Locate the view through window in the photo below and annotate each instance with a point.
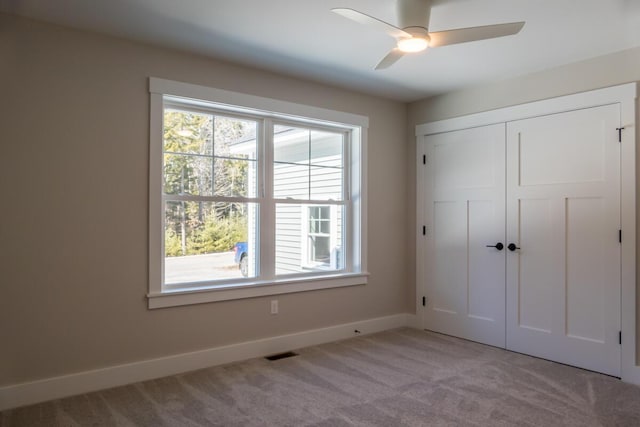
(219, 193)
(209, 179)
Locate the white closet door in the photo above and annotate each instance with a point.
(563, 212)
(465, 212)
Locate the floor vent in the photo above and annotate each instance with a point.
(281, 355)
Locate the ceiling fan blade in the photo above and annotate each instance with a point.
(390, 59)
(463, 35)
(364, 19)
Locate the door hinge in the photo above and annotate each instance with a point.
(619, 236)
(424, 301)
(620, 337)
(424, 230)
(620, 133)
(424, 159)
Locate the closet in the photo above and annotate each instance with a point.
(520, 246)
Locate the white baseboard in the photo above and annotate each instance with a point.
(17, 395)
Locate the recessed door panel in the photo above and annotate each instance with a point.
(586, 269)
(449, 220)
(463, 163)
(485, 280)
(536, 278)
(578, 151)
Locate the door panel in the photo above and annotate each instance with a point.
(484, 284)
(543, 160)
(465, 213)
(563, 211)
(538, 268)
(586, 268)
(464, 164)
(448, 220)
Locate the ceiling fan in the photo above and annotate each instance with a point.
(412, 34)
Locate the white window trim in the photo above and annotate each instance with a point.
(237, 102)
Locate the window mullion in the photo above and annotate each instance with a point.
(315, 202)
(309, 164)
(268, 206)
(213, 153)
(347, 209)
(212, 199)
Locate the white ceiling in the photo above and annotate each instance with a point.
(304, 38)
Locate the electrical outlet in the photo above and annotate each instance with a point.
(274, 306)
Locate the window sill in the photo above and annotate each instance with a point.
(171, 298)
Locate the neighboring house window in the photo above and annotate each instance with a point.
(319, 236)
(243, 197)
(322, 238)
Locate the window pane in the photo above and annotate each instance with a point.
(217, 155)
(207, 241)
(308, 238)
(235, 178)
(187, 132)
(326, 149)
(235, 138)
(290, 181)
(290, 144)
(326, 183)
(326, 165)
(319, 249)
(187, 174)
(307, 164)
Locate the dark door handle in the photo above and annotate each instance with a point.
(499, 246)
(512, 247)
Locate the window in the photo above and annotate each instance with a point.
(323, 241)
(319, 236)
(246, 201)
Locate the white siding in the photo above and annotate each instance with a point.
(288, 242)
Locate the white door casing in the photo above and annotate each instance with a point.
(563, 211)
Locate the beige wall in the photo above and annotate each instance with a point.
(610, 70)
(74, 136)
(74, 131)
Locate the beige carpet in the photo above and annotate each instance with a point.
(403, 377)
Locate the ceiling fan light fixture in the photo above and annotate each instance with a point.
(414, 36)
(412, 45)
